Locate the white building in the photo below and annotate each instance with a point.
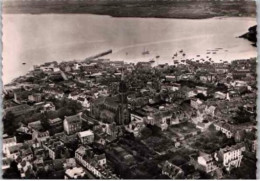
(74, 173)
(231, 156)
(86, 137)
(7, 142)
(207, 163)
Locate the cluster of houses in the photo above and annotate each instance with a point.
(198, 93)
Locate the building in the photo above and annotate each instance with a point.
(85, 156)
(37, 97)
(230, 156)
(54, 148)
(56, 125)
(74, 173)
(220, 95)
(207, 163)
(40, 136)
(19, 110)
(72, 124)
(137, 123)
(13, 151)
(7, 142)
(172, 171)
(113, 109)
(195, 103)
(225, 128)
(86, 137)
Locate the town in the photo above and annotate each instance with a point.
(104, 119)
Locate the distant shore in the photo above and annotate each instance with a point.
(179, 9)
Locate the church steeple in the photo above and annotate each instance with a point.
(124, 116)
(122, 84)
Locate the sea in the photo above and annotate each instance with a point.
(32, 39)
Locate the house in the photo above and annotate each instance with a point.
(54, 148)
(202, 90)
(13, 151)
(86, 137)
(72, 124)
(100, 138)
(220, 95)
(54, 92)
(56, 125)
(221, 68)
(36, 125)
(48, 107)
(172, 171)
(7, 142)
(195, 103)
(84, 102)
(203, 126)
(26, 154)
(74, 173)
(90, 161)
(36, 97)
(206, 162)
(70, 163)
(230, 156)
(5, 163)
(40, 136)
(225, 128)
(137, 123)
(210, 110)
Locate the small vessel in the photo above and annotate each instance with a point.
(181, 51)
(157, 56)
(198, 55)
(214, 52)
(145, 52)
(24, 63)
(208, 52)
(183, 54)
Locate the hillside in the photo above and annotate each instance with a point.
(194, 9)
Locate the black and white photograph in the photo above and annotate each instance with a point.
(129, 89)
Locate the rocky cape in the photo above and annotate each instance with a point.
(251, 35)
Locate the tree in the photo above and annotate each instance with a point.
(12, 172)
(10, 124)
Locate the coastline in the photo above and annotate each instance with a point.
(136, 8)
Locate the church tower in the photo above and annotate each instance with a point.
(124, 116)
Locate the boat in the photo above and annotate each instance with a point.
(208, 52)
(145, 52)
(24, 63)
(183, 54)
(198, 55)
(157, 56)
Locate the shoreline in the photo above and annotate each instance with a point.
(143, 17)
